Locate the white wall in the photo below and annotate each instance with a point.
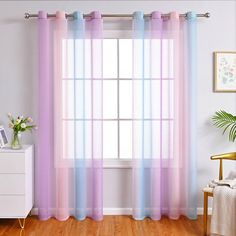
(18, 74)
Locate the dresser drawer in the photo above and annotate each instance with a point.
(12, 162)
(16, 182)
(12, 184)
(12, 207)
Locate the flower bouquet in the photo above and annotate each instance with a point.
(19, 125)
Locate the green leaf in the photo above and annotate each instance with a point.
(223, 119)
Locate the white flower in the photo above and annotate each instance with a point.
(23, 125)
(9, 115)
(11, 126)
(29, 119)
(17, 121)
(21, 117)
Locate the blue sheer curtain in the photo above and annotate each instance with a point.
(164, 111)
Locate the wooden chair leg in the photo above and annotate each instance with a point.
(205, 213)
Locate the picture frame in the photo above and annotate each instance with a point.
(3, 137)
(225, 71)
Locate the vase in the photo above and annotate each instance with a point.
(16, 140)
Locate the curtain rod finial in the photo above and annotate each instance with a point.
(207, 14)
(27, 15)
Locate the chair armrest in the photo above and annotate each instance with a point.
(225, 156)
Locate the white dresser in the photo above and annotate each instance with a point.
(16, 182)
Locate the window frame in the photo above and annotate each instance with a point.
(112, 163)
(118, 162)
(123, 163)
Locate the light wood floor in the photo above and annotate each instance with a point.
(111, 225)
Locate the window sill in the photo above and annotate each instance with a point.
(117, 164)
(127, 164)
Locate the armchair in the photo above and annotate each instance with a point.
(208, 192)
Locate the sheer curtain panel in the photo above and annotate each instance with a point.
(164, 84)
(69, 150)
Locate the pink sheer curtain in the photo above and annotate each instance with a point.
(69, 150)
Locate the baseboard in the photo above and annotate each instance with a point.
(125, 211)
(117, 211)
(128, 211)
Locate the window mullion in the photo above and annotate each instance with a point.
(118, 99)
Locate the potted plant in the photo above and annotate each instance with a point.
(19, 125)
(226, 121)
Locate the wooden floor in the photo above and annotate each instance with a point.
(111, 225)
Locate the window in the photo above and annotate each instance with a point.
(117, 95)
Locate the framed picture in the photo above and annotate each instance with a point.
(225, 71)
(3, 137)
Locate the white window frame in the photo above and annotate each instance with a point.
(121, 163)
(117, 163)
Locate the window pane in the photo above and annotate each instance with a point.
(79, 58)
(110, 140)
(126, 99)
(81, 133)
(156, 143)
(109, 99)
(80, 95)
(125, 58)
(68, 139)
(87, 58)
(167, 99)
(87, 125)
(167, 140)
(68, 58)
(156, 96)
(97, 95)
(87, 100)
(156, 58)
(125, 139)
(138, 58)
(96, 53)
(68, 99)
(146, 58)
(167, 58)
(109, 58)
(137, 88)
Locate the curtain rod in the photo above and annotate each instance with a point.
(28, 15)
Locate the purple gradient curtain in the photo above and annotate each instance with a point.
(69, 150)
(164, 84)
